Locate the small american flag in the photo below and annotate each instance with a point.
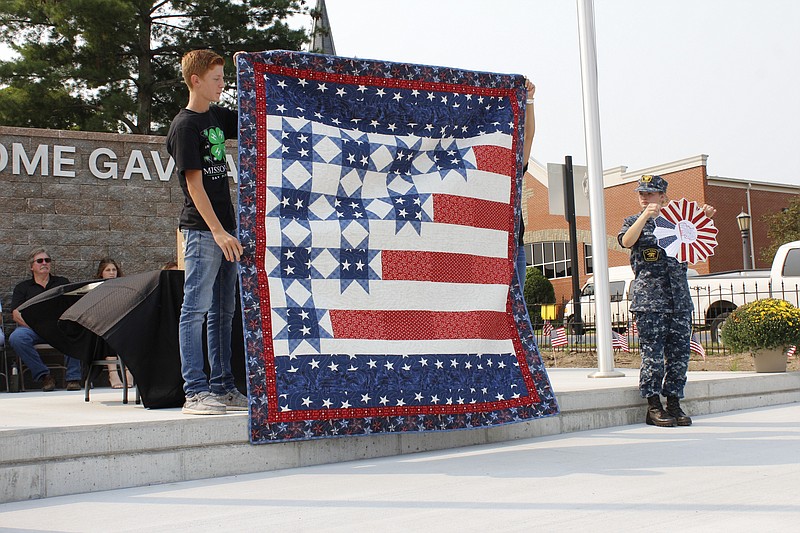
(558, 337)
(634, 329)
(696, 346)
(547, 328)
(619, 342)
(790, 351)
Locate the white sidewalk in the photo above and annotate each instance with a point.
(55, 444)
(728, 472)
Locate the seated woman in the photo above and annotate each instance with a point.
(109, 269)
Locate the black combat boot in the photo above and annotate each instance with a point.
(656, 416)
(674, 410)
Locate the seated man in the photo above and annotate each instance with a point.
(23, 338)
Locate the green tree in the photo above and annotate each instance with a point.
(783, 227)
(538, 290)
(114, 65)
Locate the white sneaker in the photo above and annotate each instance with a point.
(203, 403)
(233, 400)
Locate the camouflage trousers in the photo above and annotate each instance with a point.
(664, 345)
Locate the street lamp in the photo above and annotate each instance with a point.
(743, 221)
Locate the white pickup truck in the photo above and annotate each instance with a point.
(714, 295)
(619, 283)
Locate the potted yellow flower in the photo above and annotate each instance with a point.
(766, 328)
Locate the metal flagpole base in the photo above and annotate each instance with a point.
(612, 374)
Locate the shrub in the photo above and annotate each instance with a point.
(763, 324)
(538, 290)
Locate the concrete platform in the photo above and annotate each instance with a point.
(729, 472)
(54, 444)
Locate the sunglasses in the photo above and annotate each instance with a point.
(42, 260)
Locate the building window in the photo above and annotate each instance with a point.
(552, 258)
(587, 259)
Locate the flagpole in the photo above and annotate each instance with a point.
(594, 164)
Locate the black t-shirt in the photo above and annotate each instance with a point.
(27, 289)
(196, 141)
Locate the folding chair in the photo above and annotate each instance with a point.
(117, 363)
(52, 358)
(5, 371)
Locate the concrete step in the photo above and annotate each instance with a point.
(54, 444)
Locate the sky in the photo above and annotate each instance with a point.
(675, 79)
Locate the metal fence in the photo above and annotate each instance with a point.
(706, 326)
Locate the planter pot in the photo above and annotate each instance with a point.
(770, 360)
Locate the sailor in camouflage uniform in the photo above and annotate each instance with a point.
(663, 307)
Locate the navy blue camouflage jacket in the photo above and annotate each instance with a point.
(660, 284)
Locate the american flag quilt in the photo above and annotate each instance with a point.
(379, 212)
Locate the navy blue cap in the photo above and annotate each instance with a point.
(651, 183)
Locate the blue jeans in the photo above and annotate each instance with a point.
(209, 291)
(22, 341)
(522, 268)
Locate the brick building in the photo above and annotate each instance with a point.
(547, 236)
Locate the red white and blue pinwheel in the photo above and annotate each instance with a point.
(685, 232)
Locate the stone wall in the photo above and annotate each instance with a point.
(84, 196)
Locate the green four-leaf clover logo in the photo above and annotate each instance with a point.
(217, 140)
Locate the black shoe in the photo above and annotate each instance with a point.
(674, 410)
(656, 416)
(73, 385)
